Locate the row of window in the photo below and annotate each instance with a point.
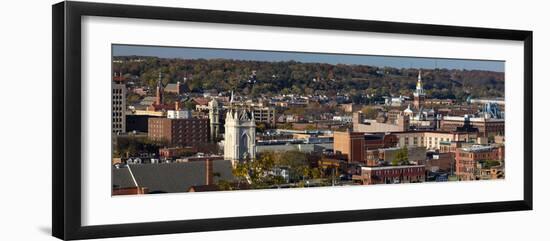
(396, 171)
(193, 137)
(436, 140)
(186, 131)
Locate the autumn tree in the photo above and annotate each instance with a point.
(288, 77)
(401, 157)
(370, 112)
(259, 172)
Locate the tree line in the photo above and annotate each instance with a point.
(361, 82)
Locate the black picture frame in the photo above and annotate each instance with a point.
(66, 169)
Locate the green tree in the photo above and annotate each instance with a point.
(401, 157)
(296, 161)
(190, 105)
(133, 98)
(490, 163)
(370, 112)
(258, 172)
(293, 77)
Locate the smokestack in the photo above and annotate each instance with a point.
(209, 172)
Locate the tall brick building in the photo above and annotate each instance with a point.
(179, 132)
(351, 144)
(118, 104)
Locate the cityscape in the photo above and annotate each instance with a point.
(197, 119)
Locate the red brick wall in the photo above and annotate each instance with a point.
(129, 191)
(179, 132)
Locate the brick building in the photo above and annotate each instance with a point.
(415, 154)
(355, 145)
(129, 191)
(390, 174)
(487, 127)
(176, 88)
(118, 105)
(433, 140)
(389, 121)
(380, 140)
(439, 162)
(468, 160)
(351, 144)
(179, 132)
(174, 152)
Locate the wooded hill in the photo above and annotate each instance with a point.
(285, 77)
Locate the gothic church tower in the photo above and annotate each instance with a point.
(240, 136)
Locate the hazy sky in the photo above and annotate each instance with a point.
(381, 61)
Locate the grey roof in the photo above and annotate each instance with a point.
(148, 100)
(178, 177)
(122, 178)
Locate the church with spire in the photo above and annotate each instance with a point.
(421, 117)
(159, 90)
(158, 104)
(419, 94)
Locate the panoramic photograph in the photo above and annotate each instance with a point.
(187, 119)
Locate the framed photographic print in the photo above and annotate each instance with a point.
(170, 120)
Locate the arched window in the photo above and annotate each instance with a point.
(244, 139)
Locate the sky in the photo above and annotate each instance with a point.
(261, 55)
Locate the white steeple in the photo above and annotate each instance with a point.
(419, 86)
